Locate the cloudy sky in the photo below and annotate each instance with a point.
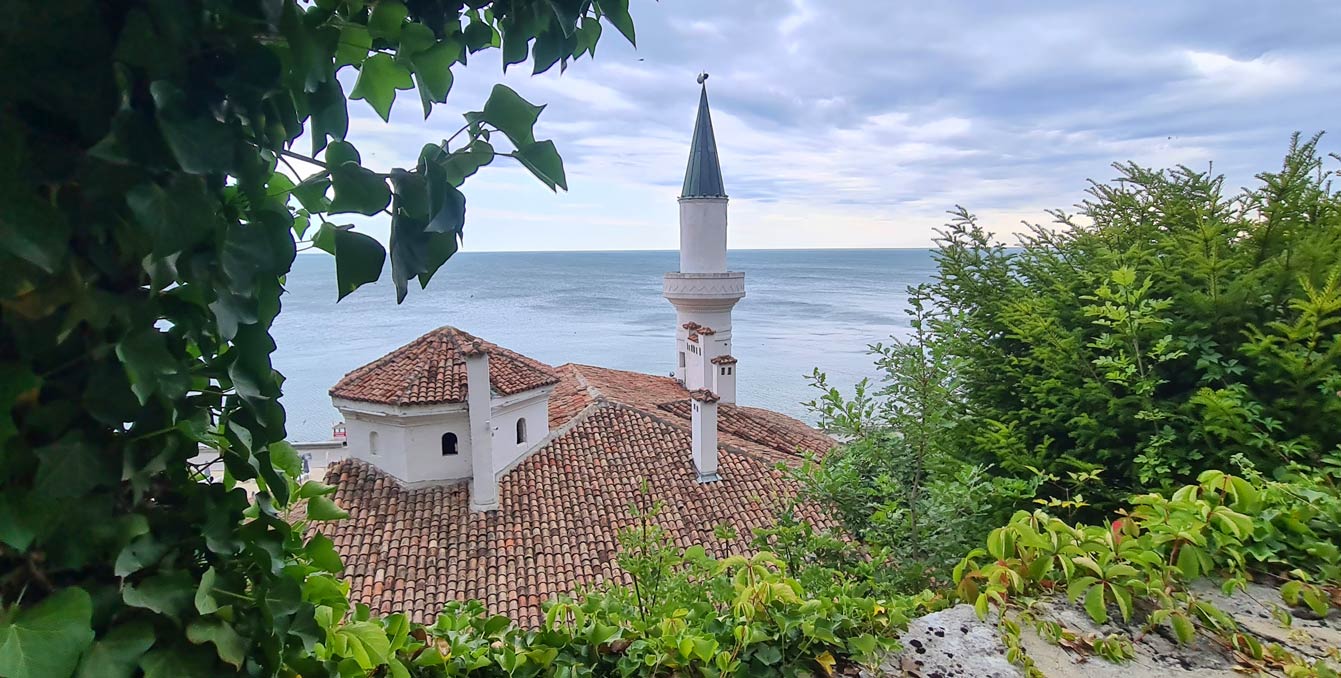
(858, 124)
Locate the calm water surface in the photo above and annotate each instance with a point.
(803, 309)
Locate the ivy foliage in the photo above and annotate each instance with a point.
(161, 161)
(1142, 565)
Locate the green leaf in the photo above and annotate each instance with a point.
(387, 19)
(341, 152)
(1095, 606)
(321, 550)
(516, 42)
(358, 261)
(117, 654)
(543, 160)
(149, 365)
(368, 643)
(47, 639)
(768, 654)
(997, 543)
(170, 594)
(311, 193)
(511, 114)
(285, 458)
(617, 13)
(1290, 590)
(143, 551)
(322, 508)
(863, 645)
(414, 38)
(433, 70)
(358, 189)
(200, 142)
(1182, 628)
(330, 113)
(1122, 597)
(70, 468)
(588, 36)
(228, 643)
(355, 41)
(179, 661)
(566, 12)
(1078, 587)
(379, 78)
(204, 599)
(315, 488)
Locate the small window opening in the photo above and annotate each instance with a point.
(724, 371)
(372, 442)
(681, 358)
(449, 444)
(521, 431)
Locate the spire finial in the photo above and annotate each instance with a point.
(703, 177)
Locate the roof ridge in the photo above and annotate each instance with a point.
(689, 430)
(573, 421)
(592, 391)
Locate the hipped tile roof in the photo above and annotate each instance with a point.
(431, 370)
(562, 508)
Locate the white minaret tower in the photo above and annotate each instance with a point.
(703, 291)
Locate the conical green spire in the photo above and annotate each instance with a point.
(703, 177)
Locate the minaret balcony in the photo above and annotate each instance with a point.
(728, 287)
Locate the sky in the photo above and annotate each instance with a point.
(859, 124)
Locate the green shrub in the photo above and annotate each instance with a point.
(899, 482)
(1165, 329)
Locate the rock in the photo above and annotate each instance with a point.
(949, 644)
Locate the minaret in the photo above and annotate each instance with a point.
(703, 291)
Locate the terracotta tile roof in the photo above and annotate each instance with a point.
(432, 369)
(760, 432)
(557, 527)
(723, 360)
(693, 336)
(561, 509)
(691, 325)
(707, 331)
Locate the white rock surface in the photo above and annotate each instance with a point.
(954, 643)
(950, 644)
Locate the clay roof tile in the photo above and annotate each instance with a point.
(431, 370)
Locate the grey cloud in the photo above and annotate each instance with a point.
(900, 110)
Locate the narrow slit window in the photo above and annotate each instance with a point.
(521, 431)
(372, 442)
(449, 444)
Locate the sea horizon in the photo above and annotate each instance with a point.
(804, 309)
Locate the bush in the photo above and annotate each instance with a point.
(1165, 329)
(899, 482)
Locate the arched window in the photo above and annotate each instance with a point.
(449, 444)
(521, 431)
(372, 442)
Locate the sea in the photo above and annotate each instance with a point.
(803, 309)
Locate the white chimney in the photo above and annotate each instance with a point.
(704, 424)
(707, 351)
(724, 379)
(483, 481)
